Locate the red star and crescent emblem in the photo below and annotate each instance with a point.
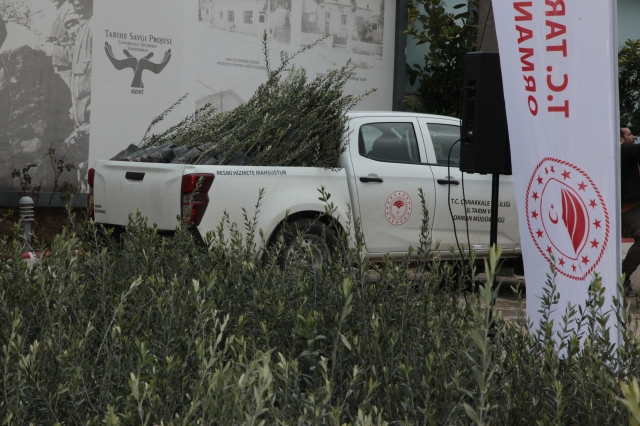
(567, 218)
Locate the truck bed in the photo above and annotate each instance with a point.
(155, 190)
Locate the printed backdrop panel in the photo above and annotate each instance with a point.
(228, 63)
(559, 72)
(44, 83)
(87, 79)
(138, 56)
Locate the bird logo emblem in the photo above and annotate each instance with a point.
(137, 65)
(398, 208)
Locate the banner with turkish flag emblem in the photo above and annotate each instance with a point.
(559, 71)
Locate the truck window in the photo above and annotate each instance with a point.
(442, 137)
(389, 142)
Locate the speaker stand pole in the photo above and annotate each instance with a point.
(495, 189)
(493, 233)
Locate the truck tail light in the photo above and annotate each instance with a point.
(90, 178)
(194, 203)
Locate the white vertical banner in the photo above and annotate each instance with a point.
(559, 70)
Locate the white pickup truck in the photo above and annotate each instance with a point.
(389, 157)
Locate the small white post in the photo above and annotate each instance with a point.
(26, 217)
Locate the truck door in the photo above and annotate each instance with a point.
(389, 166)
(440, 136)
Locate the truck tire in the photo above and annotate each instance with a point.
(318, 241)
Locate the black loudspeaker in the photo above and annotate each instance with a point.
(484, 133)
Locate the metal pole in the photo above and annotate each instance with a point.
(495, 189)
(400, 56)
(493, 233)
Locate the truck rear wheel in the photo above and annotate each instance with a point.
(315, 246)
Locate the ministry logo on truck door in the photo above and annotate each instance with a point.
(567, 217)
(398, 208)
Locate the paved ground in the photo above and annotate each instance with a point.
(507, 301)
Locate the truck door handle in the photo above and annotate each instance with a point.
(449, 181)
(134, 176)
(370, 179)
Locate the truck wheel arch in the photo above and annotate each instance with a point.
(330, 221)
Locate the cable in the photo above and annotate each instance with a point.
(455, 232)
(466, 217)
(464, 198)
(435, 202)
(453, 221)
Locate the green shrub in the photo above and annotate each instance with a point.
(450, 36)
(152, 330)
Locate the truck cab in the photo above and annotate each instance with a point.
(392, 156)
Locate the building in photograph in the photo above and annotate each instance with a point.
(251, 17)
(349, 24)
(222, 101)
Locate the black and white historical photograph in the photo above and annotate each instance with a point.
(45, 91)
(249, 17)
(355, 26)
(232, 31)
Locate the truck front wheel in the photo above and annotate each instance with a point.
(308, 241)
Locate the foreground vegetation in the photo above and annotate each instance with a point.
(159, 331)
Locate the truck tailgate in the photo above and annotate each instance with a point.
(153, 189)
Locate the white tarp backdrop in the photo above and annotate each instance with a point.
(86, 77)
(559, 70)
